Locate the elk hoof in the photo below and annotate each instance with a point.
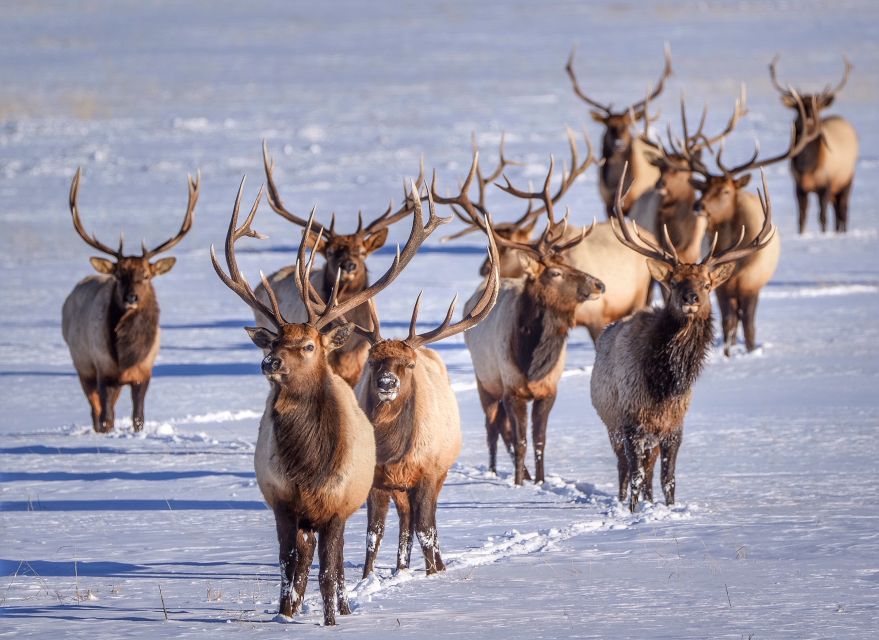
(137, 423)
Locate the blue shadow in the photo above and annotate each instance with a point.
(133, 505)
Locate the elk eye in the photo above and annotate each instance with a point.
(707, 286)
(309, 347)
(555, 273)
(411, 365)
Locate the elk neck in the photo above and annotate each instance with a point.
(394, 422)
(807, 160)
(307, 431)
(132, 331)
(541, 331)
(676, 352)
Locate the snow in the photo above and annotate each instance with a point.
(775, 534)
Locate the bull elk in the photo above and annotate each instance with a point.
(315, 452)
(518, 351)
(110, 321)
(646, 364)
(825, 166)
(624, 274)
(345, 256)
(619, 147)
(406, 392)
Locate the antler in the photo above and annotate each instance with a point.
(737, 250)
(388, 218)
(187, 219)
(642, 245)
(90, 240)
(569, 68)
(785, 91)
(332, 308)
(235, 280)
(666, 72)
(274, 197)
(828, 92)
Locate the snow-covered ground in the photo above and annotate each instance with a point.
(777, 531)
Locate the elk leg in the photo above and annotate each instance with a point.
(305, 543)
(341, 593)
(492, 409)
(647, 487)
(90, 388)
(840, 207)
(670, 446)
(377, 513)
(437, 558)
(404, 515)
(802, 207)
(517, 410)
(138, 395)
(729, 318)
(749, 321)
(638, 450)
(823, 199)
(539, 419)
(287, 528)
(424, 511)
(108, 393)
(623, 472)
(330, 538)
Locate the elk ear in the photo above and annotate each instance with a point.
(660, 271)
(376, 241)
(337, 336)
(162, 266)
(826, 101)
(598, 116)
(655, 159)
(698, 185)
(261, 336)
(529, 264)
(789, 102)
(316, 241)
(722, 273)
(102, 265)
(742, 182)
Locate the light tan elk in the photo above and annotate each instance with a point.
(619, 147)
(730, 210)
(315, 453)
(110, 321)
(406, 393)
(518, 351)
(669, 204)
(624, 274)
(345, 256)
(825, 166)
(646, 364)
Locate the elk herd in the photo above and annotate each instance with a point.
(353, 417)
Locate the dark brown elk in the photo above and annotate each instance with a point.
(518, 351)
(315, 452)
(624, 274)
(825, 166)
(345, 256)
(646, 364)
(406, 392)
(110, 321)
(730, 210)
(619, 147)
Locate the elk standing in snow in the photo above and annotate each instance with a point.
(619, 147)
(646, 364)
(315, 453)
(825, 166)
(110, 321)
(406, 393)
(518, 351)
(345, 256)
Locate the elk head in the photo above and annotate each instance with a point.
(807, 105)
(618, 124)
(132, 273)
(688, 285)
(297, 351)
(345, 254)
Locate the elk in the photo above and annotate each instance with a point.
(315, 452)
(646, 364)
(110, 321)
(625, 275)
(619, 147)
(669, 204)
(518, 351)
(345, 256)
(406, 392)
(730, 210)
(825, 166)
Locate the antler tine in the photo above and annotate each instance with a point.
(235, 280)
(302, 274)
(569, 68)
(621, 229)
(91, 240)
(543, 195)
(741, 167)
(480, 310)
(389, 217)
(666, 72)
(372, 336)
(736, 251)
(193, 186)
(273, 195)
(420, 232)
(774, 78)
(584, 233)
(740, 110)
(844, 81)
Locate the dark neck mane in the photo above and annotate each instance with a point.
(807, 159)
(540, 335)
(133, 332)
(394, 424)
(676, 353)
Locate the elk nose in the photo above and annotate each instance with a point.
(691, 297)
(270, 364)
(348, 266)
(131, 298)
(388, 382)
(600, 286)
(697, 207)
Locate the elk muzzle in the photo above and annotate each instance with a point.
(271, 366)
(387, 386)
(590, 289)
